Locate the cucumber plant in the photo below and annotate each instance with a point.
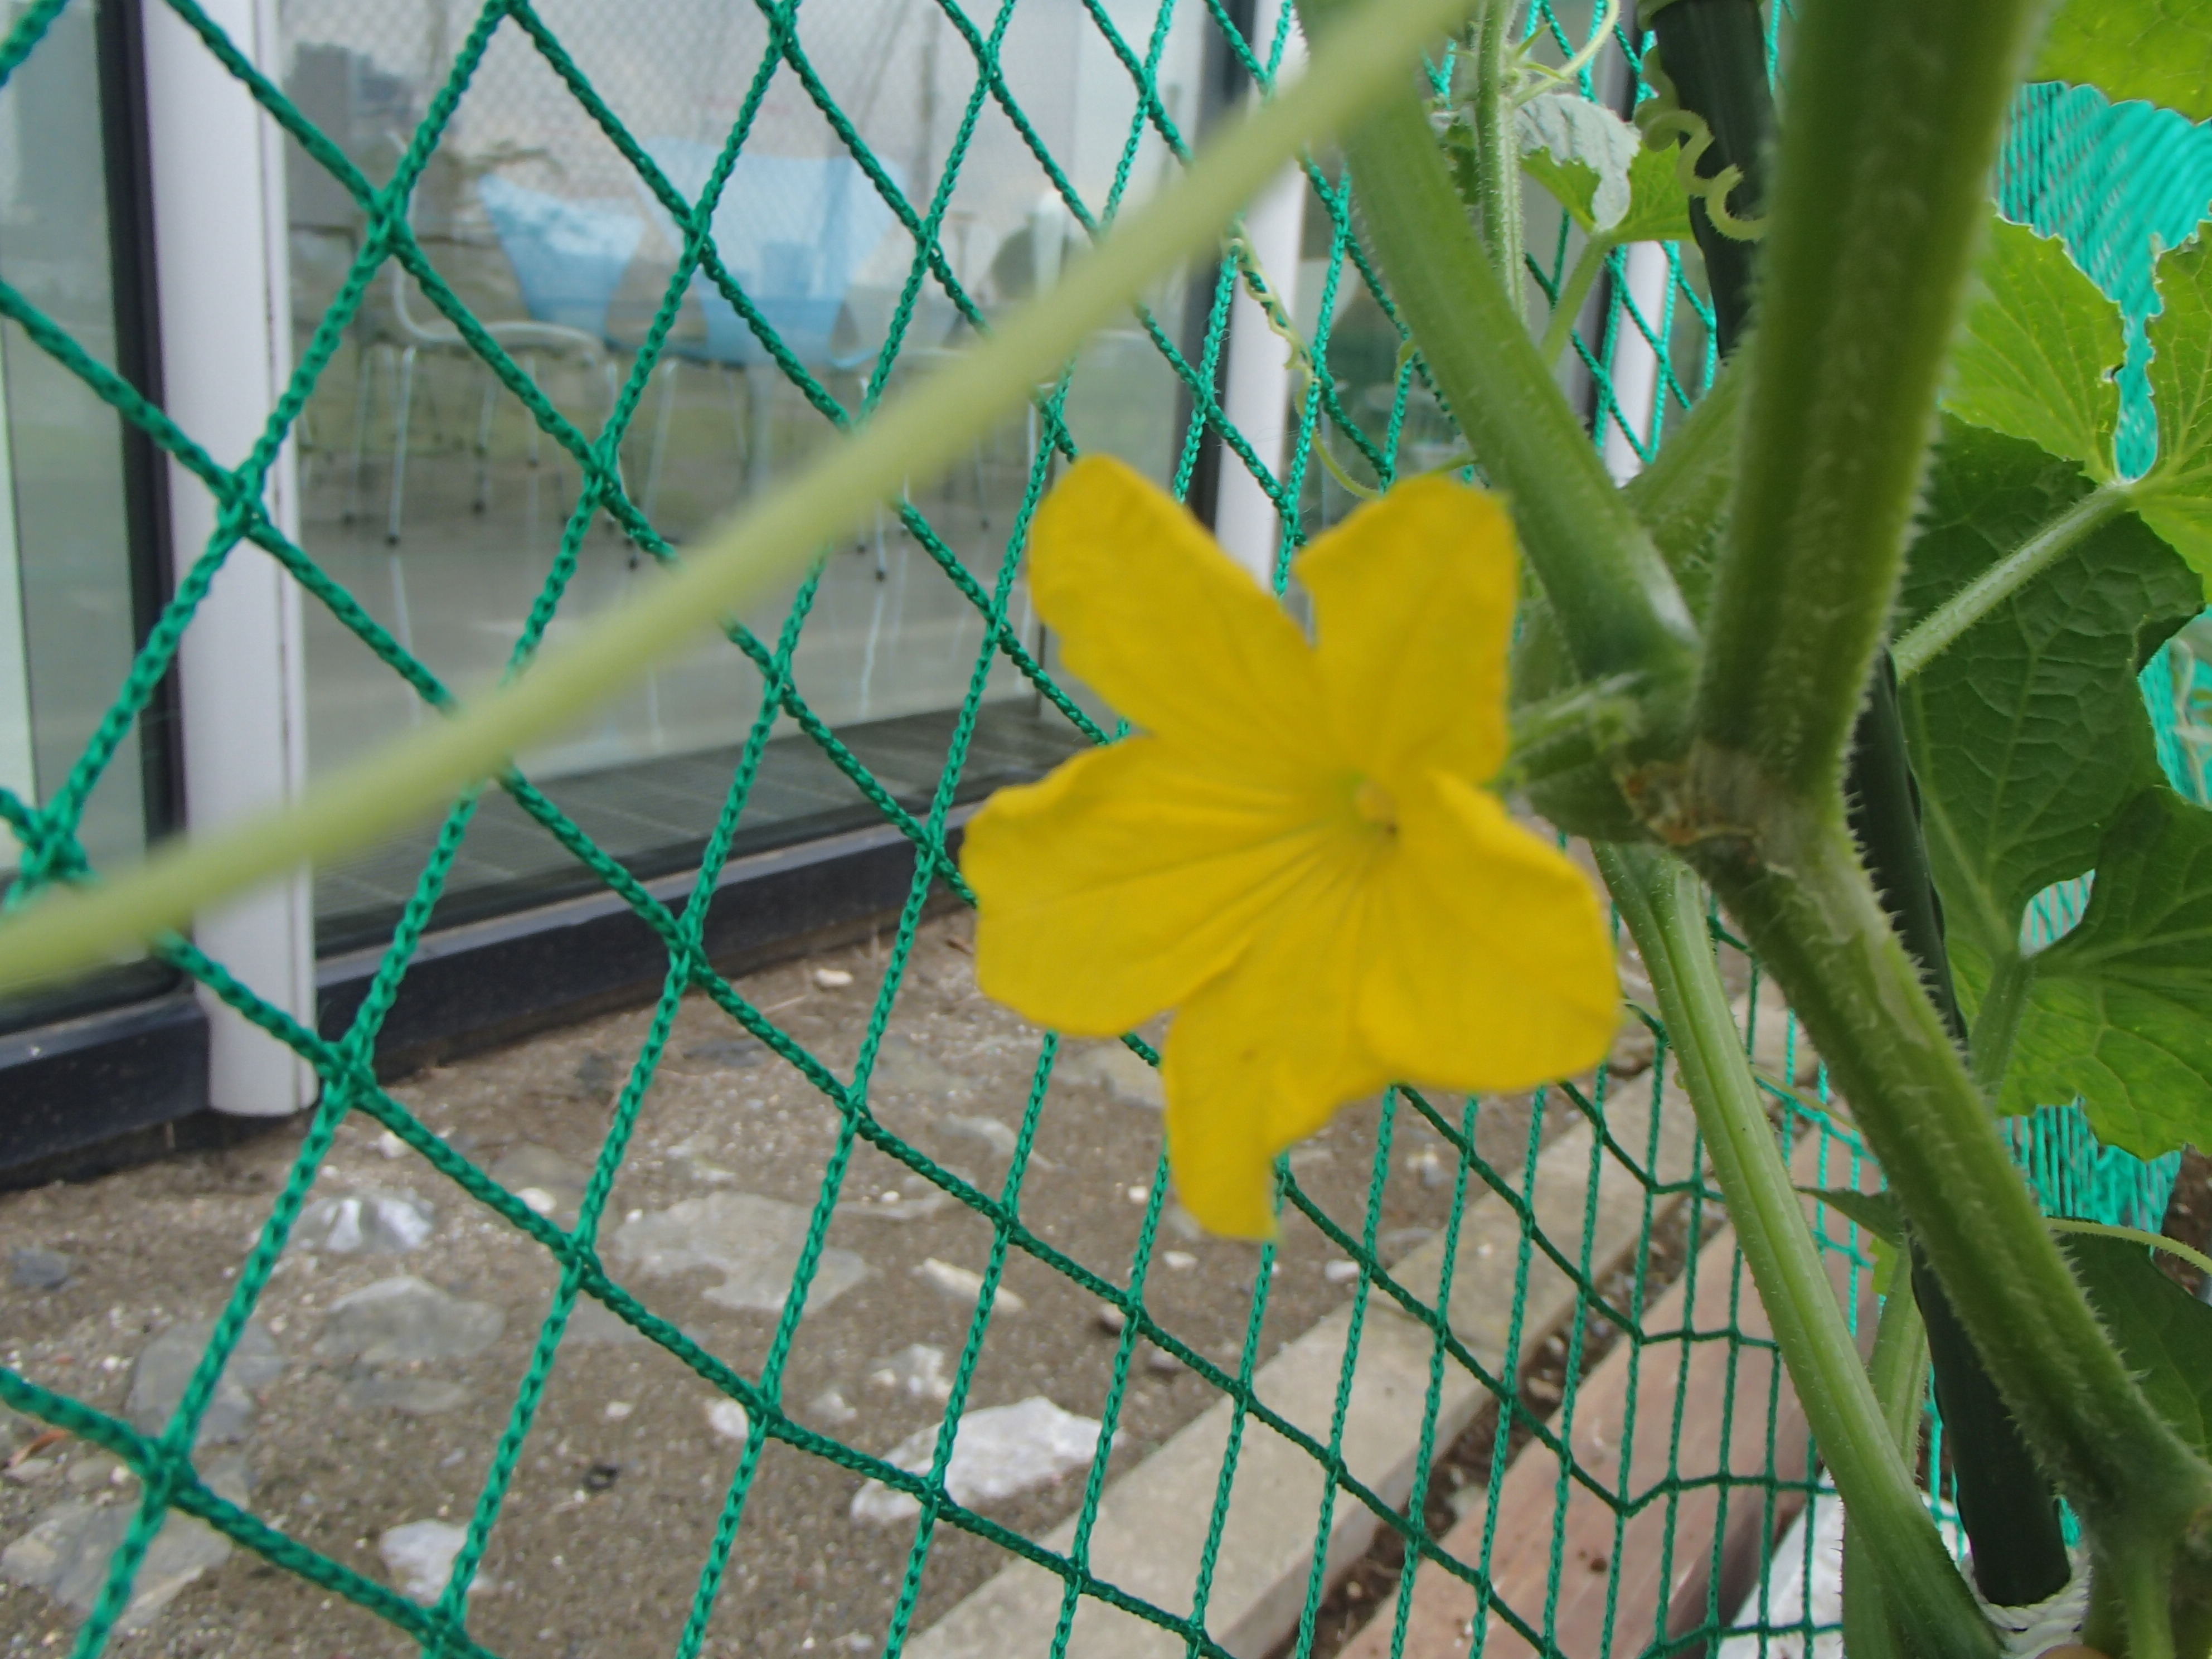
(1882, 602)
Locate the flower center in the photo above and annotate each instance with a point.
(1373, 804)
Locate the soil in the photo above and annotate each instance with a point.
(611, 1512)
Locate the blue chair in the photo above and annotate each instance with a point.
(568, 259)
(795, 232)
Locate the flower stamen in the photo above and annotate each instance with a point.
(1373, 804)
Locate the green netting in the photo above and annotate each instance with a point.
(1674, 334)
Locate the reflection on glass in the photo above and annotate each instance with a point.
(438, 503)
(68, 626)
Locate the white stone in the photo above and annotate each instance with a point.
(963, 1285)
(754, 1243)
(999, 1452)
(832, 979)
(727, 1418)
(1339, 1271)
(917, 1370)
(1115, 1068)
(378, 1223)
(616, 1410)
(1181, 1260)
(420, 1557)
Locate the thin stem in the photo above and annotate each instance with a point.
(1661, 901)
(1997, 1020)
(1800, 896)
(1497, 148)
(1576, 289)
(1895, 107)
(1577, 726)
(1619, 605)
(1927, 638)
(1898, 1370)
(909, 437)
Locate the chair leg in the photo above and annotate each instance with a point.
(760, 399)
(483, 440)
(364, 374)
(661, 415)
(404, 402)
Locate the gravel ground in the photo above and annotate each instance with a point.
(338, 1435)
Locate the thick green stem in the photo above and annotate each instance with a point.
(1928, 636)
(1796, 889)
(1895, 106)
(1619, 604)
(1496, 150)
(2011, 1513)
(1662, 903)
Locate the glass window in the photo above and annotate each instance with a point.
(433, 497)
(77, 561)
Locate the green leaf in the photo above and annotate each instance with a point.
(2156, 50)
(1658, 206)
(2028, 733)
(2175, 497)
(2119, 1011)
(2036, 357)
(1878, 1213)
(1581, 153)
(2163, 1333)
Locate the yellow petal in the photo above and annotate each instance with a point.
(1126, 879)
(1413, 600)
(1167, 628)
(1264, 1055)
(1496, 971)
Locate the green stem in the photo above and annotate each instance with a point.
(1899, 1371)
(1662, 903)
(1996, 1021)
(1569, 305)
(1797, 891)
(1880, 198)
(1928, 636)
(1579, 725)
(1497, 150)
(1598, 566)
(909, 437)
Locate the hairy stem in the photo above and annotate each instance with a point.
(1895, 109)
(1898, 1369)
(1997, 1020)
(912, 436)
(1621, 610)
(1573, 292)
(1662, 901)
(1497, 152)
(1797, 891)
(2011, 1515)
(1927, 638)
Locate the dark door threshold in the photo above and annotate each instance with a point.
(82, 1097)
(487, 982)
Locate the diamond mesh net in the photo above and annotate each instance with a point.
(1594, 1271)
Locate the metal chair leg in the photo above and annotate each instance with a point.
(404, 401)
(364, 374)
(662, 416)
(483, 440)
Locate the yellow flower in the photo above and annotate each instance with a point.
(1298, 854)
